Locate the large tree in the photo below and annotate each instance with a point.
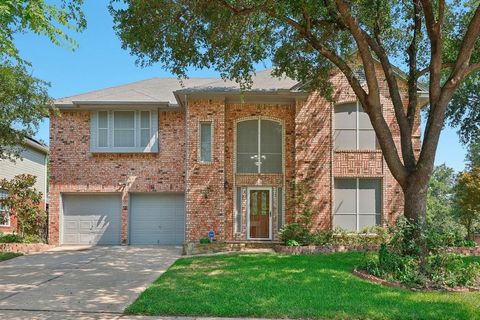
(435, 40)
(24, 99)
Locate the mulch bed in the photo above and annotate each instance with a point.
(396, 284)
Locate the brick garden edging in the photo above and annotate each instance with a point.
(357, 248)
(323, 249)
(396, 284)
(466, 251)
(25, 247)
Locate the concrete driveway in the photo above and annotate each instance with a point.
(94, 281)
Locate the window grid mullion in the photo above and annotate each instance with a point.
(259, 146)
(358, 203)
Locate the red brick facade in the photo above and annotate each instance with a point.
(210, 188)
(73, 168)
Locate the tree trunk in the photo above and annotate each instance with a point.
(415, 194)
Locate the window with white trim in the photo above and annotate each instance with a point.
(124, 131)
(206, 133)
(358, 203)
(353, 129)
(4, 214)
(259, 146)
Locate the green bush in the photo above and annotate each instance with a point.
(10, 238)
(205, 241)
(322, 238)
(295, 231)
(449, 269)
(292, 243)
(15, 238)
(398, 260)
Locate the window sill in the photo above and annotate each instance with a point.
(358, 151)
(136, 151)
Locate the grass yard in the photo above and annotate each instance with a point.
(8, 255)
(281, 286)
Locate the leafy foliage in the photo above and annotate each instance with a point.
(467, 195)
(40, 17)
(23, 202)
(24, 99)
(24, 102)
(400, 260)
(441, 216)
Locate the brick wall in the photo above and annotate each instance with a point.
(205, 187)
(73, 168)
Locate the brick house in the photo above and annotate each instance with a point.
(153, 162)
(33, 160)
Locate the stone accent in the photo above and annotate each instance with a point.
(73, 168)
(220, 247)
(324, 249)
(25, 248)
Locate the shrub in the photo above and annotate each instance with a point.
(398, 260)
(10, 238)
(295, 231)
(292, 243)
(322, 237)
(205, 240)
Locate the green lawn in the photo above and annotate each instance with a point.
(8, 255)
(281, 286)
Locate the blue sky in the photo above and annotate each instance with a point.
(100, 62)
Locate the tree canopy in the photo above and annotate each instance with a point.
(436, 41)
(24, 99)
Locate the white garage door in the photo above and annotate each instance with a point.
(91, 219)
(157, 218)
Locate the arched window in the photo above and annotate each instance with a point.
(259, 146)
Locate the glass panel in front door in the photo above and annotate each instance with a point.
(259, 208)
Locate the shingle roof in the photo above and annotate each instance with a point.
(155, 90)
(165, 90)
(162, 90)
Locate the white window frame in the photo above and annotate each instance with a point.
(357, 129)
(143, 128)
(152, 146)
(4, 209)
(258, 163)
(357, 200)
(210, 122)
(98, 129)
(134, 129)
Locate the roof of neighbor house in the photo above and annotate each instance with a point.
(168, 91)
(37, 145)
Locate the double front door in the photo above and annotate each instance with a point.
(259, 213)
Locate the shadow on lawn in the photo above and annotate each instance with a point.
(291, 286)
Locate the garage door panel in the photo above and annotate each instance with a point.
(157, 218)
(91, 219)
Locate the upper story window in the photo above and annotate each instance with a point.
(4, 214)
(358, 203)
(259, 146)
(124, 131)
(353, 129)
(205, 141)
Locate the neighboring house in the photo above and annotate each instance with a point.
(152, 162)
(33, 161)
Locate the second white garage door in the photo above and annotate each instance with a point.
(157, 218)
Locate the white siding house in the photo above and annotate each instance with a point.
(33, 160)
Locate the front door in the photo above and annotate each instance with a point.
(260, 213)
